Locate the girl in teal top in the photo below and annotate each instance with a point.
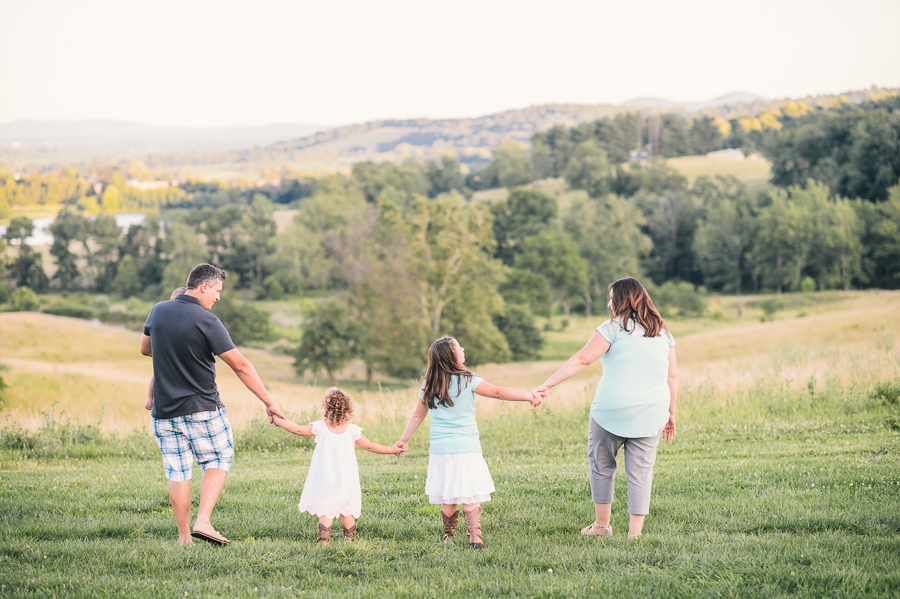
(635, 400)
(457, 472)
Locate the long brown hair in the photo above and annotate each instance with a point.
(632, 303)
(442, 367)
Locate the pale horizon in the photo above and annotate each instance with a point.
(209, 64)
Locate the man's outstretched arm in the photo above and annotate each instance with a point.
(248, 375)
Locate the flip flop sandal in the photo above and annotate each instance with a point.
(219, 541)
(595, 530)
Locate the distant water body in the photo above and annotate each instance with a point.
(42, 236)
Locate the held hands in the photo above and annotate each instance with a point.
(668, 431)
(402, 447)
(273, 411)
(396, 449)
(540, 395)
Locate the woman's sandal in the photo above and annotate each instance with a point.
(324, 536)
(595, 530)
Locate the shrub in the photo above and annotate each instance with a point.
(680, 297)
(5, 292)
(524, 339)
(807, 285)
(71, 310)
(99, 303)
(245, 322)
(23, 299)
(2, 384)
(771, 306)
(887, 392)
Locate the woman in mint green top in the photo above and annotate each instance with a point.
(635, 400)
(633, 397)
(457, 472)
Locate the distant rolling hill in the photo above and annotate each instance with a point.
(243, 151)
(732, 98)
(60, 142)
(471, 140)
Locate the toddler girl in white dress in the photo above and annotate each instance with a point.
(332, 484)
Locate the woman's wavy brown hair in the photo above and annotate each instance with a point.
(337, 407)
(442, 367)
(632, 303)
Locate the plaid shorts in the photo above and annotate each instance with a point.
(206, 436)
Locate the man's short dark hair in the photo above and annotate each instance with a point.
(204, 273)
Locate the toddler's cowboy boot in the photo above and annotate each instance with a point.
(473, 524)
(324, 535)
(350, 533)
(450, 523)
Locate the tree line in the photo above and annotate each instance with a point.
(398, 254)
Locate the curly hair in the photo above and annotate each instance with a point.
(337, 407)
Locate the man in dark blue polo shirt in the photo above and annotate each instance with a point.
(189, 419)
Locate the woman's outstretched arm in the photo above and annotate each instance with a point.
(596, 346)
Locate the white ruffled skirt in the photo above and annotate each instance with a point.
(455, 478)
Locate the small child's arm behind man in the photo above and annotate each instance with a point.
(378, 448)
(293, 427)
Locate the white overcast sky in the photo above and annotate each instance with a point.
(198, 63)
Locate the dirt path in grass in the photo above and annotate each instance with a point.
(94, 369)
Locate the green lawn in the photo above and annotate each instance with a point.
(768, 493)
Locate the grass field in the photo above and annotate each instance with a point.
(754, 173)
(783, 480)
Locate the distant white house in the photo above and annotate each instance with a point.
(148, 185)
(727, 154)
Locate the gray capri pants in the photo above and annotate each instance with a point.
(640, 455)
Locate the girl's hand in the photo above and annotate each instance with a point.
(148, 405)
(402, 446)
(540, 395)
(669, 429)
(397, 449)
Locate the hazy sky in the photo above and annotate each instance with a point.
(188, 62)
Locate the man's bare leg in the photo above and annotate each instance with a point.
(210, 489)
(180, 496)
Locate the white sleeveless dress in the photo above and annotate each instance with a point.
(332, 483)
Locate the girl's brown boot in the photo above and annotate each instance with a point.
(324, 535)
(350, 533)
(450, 523)
(473, 524)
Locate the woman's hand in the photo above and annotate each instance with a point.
(540, 395)
(668, 431)
(402, 447)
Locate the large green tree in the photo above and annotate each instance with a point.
(524, 213)
(330, 339)
(68, 228)
(608, 236)
(555, 258)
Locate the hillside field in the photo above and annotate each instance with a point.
(783, 479)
